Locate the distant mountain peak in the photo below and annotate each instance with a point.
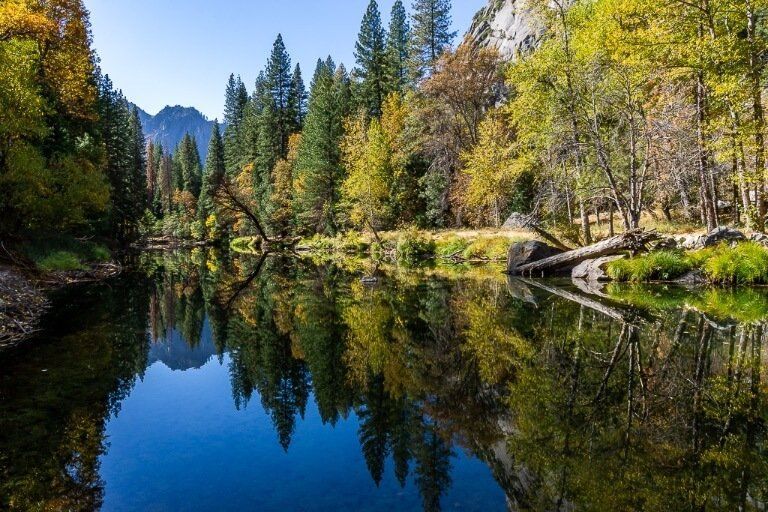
(169, 126)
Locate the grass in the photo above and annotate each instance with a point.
(743, 264)
(63, 253)
(655, 266)
(59, 260)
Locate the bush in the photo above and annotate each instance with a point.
(59, 260)
(412, 246)
(98, 253)
(662, 265)
(747, 263)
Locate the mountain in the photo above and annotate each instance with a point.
(508, 25)
(170, 124)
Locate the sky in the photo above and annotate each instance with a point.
(181, 52)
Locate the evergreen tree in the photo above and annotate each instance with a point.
(275, 121)
(152, 171)
(213, 174)
(235, 105)
(116, 136)
(137, 180)
(188, 168)
(431, 35)
(318, 173)
(371, 57)
(398, 51)
(298, 98)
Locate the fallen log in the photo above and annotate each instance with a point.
(635, 241)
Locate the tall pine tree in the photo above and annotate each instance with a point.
(398, 49)
(213, 174)
(431, 35)
(236, 99)
(318, 172)
(298, 98)
(371, 58)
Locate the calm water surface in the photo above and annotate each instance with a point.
(270, 384)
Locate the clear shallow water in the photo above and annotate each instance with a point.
(195, 384)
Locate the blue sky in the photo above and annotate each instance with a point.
(163, 52)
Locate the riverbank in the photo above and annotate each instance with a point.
(31, 270)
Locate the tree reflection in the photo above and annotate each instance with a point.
(649, 399)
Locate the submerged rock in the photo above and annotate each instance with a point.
(523, 253)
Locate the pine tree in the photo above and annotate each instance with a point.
(298, 98)
(275, 122)
(188, 168)
(431, 35)
(398, 51)
(213, 174)
(235, 105)
(115, 133)
(371, 58)
(151, 173)
(136, 178)
(318, 172)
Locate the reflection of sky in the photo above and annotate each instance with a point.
(178, 443)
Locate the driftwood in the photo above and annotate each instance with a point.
(635, 240)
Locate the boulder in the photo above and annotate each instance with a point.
(760, 238)
(721, 234)
(594, 270)
(665, 244)
(689, 242)
(517, 221)
(522, 253)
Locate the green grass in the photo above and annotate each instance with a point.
(61, 252)
(743, 264)
(493, 248)
(59, 260)
(655, 266)
(747, 263)
(450, 246)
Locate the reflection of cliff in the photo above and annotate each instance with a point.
(177, 353)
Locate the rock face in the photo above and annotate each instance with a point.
(507, 25)
(527, 252)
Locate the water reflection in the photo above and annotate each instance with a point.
(622, 399)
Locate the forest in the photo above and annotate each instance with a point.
(624, 114)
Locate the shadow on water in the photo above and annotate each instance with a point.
(628, 398)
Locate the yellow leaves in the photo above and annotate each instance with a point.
(23, 19)
(490, 166)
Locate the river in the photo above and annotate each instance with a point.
(196, 383)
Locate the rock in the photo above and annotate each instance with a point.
(517, 221)
(510, 26)
(522, 253)
(665, 244)
(692, 277)
(689, 242)
(760, 238)
(721, 234)
(594, 270)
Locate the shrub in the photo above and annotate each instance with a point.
(412, 246)
(662, 265)
(747, 263)
(98, 253)
(59, 260)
